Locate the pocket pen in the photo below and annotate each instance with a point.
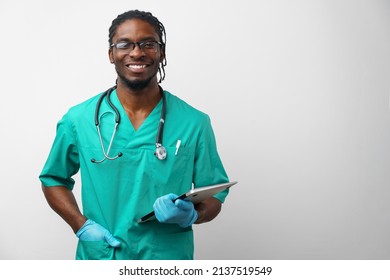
(177, 146)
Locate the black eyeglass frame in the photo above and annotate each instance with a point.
(130, 46)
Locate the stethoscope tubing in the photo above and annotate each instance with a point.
(162, 121)
(160, 150)
(107, 94)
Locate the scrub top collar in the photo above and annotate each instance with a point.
(125, 124)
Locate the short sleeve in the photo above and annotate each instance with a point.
(209, 169)
(63, 160)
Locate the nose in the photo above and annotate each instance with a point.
(136, 51)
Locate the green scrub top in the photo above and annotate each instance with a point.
(116, 193)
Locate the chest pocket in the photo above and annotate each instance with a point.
(175, 171)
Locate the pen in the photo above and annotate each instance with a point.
(177, 146)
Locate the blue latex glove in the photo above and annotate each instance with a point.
(180, 212)
(92, 231)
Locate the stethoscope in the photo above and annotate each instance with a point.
(160, 152)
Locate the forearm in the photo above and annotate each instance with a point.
(208, 210)
(63, 202)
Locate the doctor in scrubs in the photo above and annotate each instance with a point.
(112, 142)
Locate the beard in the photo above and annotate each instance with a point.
(137, 84)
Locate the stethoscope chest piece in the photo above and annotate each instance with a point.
(161, 152)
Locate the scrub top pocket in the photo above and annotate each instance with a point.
(94, 250)
(174, 172)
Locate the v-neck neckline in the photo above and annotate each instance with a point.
(125, 118)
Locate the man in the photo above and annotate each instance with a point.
(112, 140)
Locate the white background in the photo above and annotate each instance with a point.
(298, 93)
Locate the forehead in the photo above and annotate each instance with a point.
(135, 30)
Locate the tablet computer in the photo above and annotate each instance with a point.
(196, 195)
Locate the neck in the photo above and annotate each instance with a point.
(139, 99)
(138, 104)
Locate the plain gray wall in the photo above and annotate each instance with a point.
(298, 93)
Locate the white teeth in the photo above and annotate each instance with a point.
(137, 66)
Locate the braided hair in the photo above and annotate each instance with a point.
(149, 18)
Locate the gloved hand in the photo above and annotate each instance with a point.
(180, 212)
(92, 231)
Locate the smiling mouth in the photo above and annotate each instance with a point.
(141, 66)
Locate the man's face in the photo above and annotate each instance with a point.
(136, 68)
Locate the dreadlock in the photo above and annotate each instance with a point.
(152, 20)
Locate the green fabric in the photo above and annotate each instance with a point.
(116, 193)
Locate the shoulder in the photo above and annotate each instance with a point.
(82, 110)
(81, 115)
(181, 109)
(87, 105)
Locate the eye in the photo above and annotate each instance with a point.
(149, 45)
(123, 45)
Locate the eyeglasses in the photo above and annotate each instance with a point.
(145, 46)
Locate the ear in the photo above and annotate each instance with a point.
(111, 56)
(162, 55)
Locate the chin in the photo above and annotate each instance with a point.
(137, 84)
